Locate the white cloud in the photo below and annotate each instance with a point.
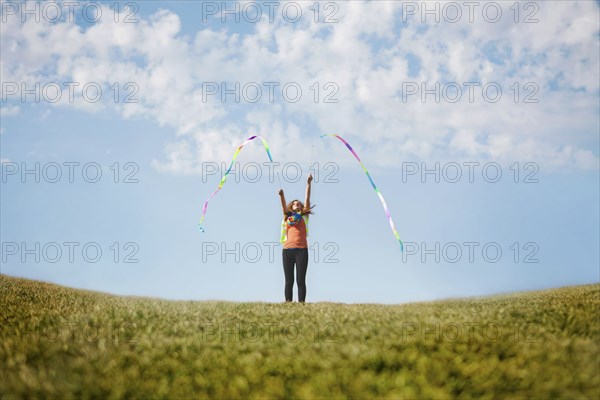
(9, 111)
(366, 55)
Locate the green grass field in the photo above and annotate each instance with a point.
(65, 343)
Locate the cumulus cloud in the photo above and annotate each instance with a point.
(365, 64)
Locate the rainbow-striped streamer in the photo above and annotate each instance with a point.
(251, 138)
(385, 207)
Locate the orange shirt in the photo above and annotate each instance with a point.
(296, 236)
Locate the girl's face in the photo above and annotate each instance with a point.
(297, 206)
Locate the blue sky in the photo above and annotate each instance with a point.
(547, 215)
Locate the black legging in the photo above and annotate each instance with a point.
(300, 258)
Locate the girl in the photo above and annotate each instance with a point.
(295, 246)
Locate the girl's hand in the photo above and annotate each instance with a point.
(281, 192)
(310, 178)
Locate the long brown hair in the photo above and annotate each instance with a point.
(305, 210)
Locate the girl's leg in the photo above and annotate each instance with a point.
(288, 270)
(301, 267)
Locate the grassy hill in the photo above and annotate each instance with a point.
(65, 343)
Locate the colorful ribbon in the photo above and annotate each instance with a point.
(251, 138)
(385, 207)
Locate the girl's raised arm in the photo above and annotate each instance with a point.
(283, 203)
(307, 198)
